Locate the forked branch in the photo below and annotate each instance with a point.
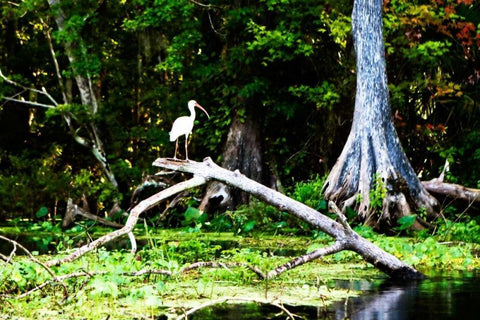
(345, 237)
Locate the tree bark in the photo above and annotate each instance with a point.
(452, 190)
(373, 154)
(88, 98)
(345, 237)
(242, 151)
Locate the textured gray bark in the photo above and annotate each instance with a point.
(373, 148)
(242, 151)
(345, 237)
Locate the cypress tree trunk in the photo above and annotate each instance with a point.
(242, 151)
(372, 156)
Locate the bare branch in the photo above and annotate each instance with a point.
(44, 266)
(337, 246)
(42, 92)
(73, 210)
(132, 219)
(344, 236)
(55, 61)
(341, 217)
(32, 103)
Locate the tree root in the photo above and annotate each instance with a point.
(452, 190)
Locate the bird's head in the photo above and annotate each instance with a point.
(193, 103)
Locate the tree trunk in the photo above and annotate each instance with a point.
(372, 159)
(242, 151)
(88, 98)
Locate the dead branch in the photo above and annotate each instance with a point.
(344, 237)
(42, 92)
(452, 190)
(322, 252)
(44, 266)
(343, 220)
(131, 221)
(74, 210)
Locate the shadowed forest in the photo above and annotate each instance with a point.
(89, 90)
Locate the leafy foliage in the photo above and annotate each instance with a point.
(288, 64)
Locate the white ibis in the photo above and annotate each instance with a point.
(184, 125)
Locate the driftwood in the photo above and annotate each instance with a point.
(452, 190)
(73, 210)
(131, 221)
(203, 172)
(345, 237)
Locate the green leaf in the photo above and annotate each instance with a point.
(249, 226)
(406, 222)
(192, 214)
(42, 212)
(322, 205)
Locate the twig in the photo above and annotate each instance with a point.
(42, 92)
(209, 7)
(343, 220)
(30, 255)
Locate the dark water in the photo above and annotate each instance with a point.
(445, 296)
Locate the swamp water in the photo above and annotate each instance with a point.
(454, 295)
(441, 296)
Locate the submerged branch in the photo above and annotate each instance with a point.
(43, 265)
(319, 253)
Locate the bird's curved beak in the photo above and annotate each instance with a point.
(201, 108)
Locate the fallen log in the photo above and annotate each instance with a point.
(452, 190)
(73, 210)
(203, 172)
(345, 237)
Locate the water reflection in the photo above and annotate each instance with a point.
(453, 296)
(439, 297)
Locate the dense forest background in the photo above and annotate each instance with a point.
(280, 73)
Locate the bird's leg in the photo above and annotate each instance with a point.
(176, 148)
(186, 147)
